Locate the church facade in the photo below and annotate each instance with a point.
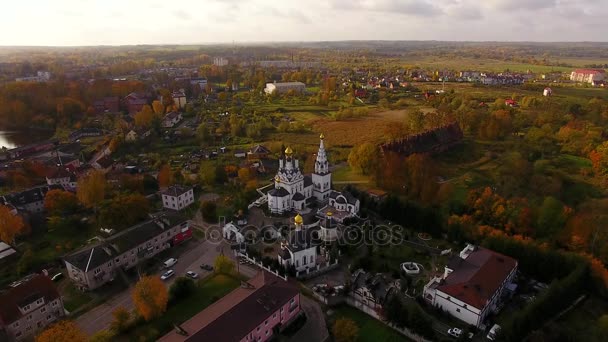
(292, 189)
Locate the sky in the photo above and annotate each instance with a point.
(128, 22)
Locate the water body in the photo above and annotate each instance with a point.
(15, 138)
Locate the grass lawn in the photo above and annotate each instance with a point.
(347, 174)
(370, 329)
(74, 299)
(208, 291)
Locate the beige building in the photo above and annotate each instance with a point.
(177, 197)
(284, 87)
(97, 265)
(588, 75)
(29, 307)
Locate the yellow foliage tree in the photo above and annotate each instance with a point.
(91, 189)
(10, 225)
(150, 296)
(223, 265)
(62, 331)
(345, 330)
(165, 176)
(144, 117)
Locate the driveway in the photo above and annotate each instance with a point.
(315, 328)
(100, 317)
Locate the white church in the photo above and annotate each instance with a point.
(292, 189)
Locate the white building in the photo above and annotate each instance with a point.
(292, 190)
(283, 87)
(220, 61)
(472, 285)
(299, 248)
(179, 98)
(588, 75)
(172, 119)
(177, 197)
(61, 176)
(28, 308)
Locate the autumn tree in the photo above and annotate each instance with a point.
(150, 296)
(124, 210)
(57, 202)
(415, 120)
(244, 174)
(223, 265)
(144, 117)
(62, 331)
(165, 176)
(158, 107)
(345, 330)
(364, 158)
(91, 189)
(120, 319)
(11, 225)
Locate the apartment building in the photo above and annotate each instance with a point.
(177, 197)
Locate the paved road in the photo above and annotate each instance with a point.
(315, 328)
(100, 317)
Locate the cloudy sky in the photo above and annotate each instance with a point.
(119, 22)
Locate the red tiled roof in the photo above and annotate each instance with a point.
(40, 286)
(475, 279)
(590, 71)
(239, 312)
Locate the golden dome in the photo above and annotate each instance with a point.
(288, 151)
(277, 179)
(298, 219)
(329, 213)
(322, 136)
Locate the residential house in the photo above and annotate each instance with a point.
(135, 134)
(59, 175)
(220, 61)
(240, 153)
(200, 82)
(7, 253)
(104, 163)
(376, 194)
(29, 307)
(588, 75)
(284, 87)
(252, 312)
(177, 197)
(473, 284)
(135, 102)
(179, 98)
(30, 200)
(85, 132)
(299, 248)
(97, 265)
(371, 290)
(172, 119)
(107, 104)
(258, 152)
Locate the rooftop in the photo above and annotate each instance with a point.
(39, 286)
(475, 279)
(176, 190)
(235, 315)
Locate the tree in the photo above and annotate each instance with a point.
(164, 176)
(92, 189)
(551, 217)
(203, 133)
(209, 211)
(415, 119)
(150, 296)
(102, 336)
(223, 265)
(244, 174)
(62, 331)
(144, 117)
(345, 330)
(124, 210)
(182, 288)
(11, 225)
(57, 202)
(364, 158)
(121, 318)
(158, 107)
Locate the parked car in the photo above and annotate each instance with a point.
(57, 277)
(206, 267)
(455, 332)
(493, 333)
(170, 262)
(192, 275)
(167, 275)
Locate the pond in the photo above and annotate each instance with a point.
(15, 138)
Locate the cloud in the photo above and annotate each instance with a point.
(420, 8)
(181, 14)
(522, 4)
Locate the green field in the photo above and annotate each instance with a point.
(370, 329)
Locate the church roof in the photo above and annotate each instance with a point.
(350, 199)
(303, 239)
(298, 197)
(280, 192)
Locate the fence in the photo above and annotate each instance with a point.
(302, 275)
(371, 312)
(260, 265)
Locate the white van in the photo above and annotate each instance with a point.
(493, 333)
(170, 262)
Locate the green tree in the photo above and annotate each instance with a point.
(209, 211)
(181, 288)
(551, 217)
(365, 158)
(415, 120)
(121, 318)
